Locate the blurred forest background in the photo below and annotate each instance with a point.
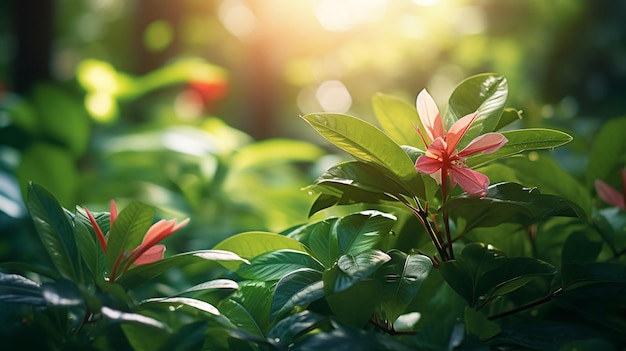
(194, 105)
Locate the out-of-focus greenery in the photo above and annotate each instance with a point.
(179, 104)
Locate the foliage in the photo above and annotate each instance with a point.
(395, 259)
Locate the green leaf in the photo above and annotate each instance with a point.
(61, 293)
(481, 273)
(139, 275)
(540, 170)
(368, 144)
(317, 238)
(520, 141)
(477, 324)
(509, 115)
(297, 288)
(608, 154)
(262, 153)
(55, 231)
(362, 231)
(248, 308)
(15, 288)
(288, 329)
(401, 278)
(362, 176)
(353, 269)
(578, 250)
(398, 119)
(508, 203)
(128, 231)
(184, 301)
(53, 101)
(51, 167)
(356, 305)
(345, 338)
(216, 284)
(251, 244)
(485, 94)
(90, 250)
(274, 265)
(126, 317)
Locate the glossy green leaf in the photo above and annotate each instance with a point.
(346, 338)
(520, 141)
(509, 115)
(251, 244)
(356, 305)
(298, 288)
(31, 268)
(317, 238)
(249, 307)
(216, 284)
(90, 250)
(367, 143)
(608, 154)
(274, 265)
(209, 259)
(288, 329)
(55, 231)
(127, 232)
(15, 288)
(540, 170)
(398, 119)
(126, 317)
(508, 203)
(477, 323)
(364, 176)
(175, 302)
(485, 94)
(358, 232)
(481, 273)
(351, 269)
(336, 194)
(61, 293)
(401, 278)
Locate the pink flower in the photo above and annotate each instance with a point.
(442, 160)
(612, 196)
(148, 251)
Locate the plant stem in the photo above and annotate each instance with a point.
(446, 221)
(528, 305)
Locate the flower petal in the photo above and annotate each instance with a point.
(427, 165)
(457, 131)
(473, 182)
(610, 195)
(159, 231)
(99, 233)
(433, 159)
(153, 254)
(429, 115)
(113, 211)
(486, 143)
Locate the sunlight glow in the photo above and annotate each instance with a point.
(333, 96)
(237, 18)
(101, 106)
(342, 15)
(470, 20)
(426, 2)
